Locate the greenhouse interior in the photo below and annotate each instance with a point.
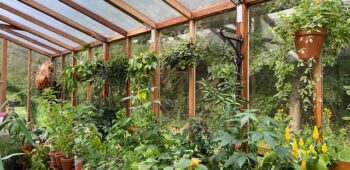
(175, 84)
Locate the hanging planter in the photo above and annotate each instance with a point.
(45, 76)
(309, 43)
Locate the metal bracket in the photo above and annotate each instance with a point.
(236, 42)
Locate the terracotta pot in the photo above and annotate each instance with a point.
(58, 157)
(52, 158)
(67, 163)
(78, 165)
(340, 165)
(309, 43)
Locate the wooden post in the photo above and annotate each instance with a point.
(3, 76)
(88, 86)
(74, 97)
(128, 84)
(318, 101)
(29, 88)
(155, 43)
(242, 29)
(63, 91)
(105, 88)
(192, 77)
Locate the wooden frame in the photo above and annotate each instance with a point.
(128, 46)
(42, 24)
(26, 45)
(74, 96)
(5, 26)
(32, 40)
(105, 51)
(318, 91)
(179, 8)
(64, 19)
(95, 17)
(29, 85)
(3, 75)
(155, 45)
(35, 32)
(137, 15)
(192, 77)
(88, 86)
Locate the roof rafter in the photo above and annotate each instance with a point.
(179, 8)
(64, 19)
(35, 32)
(32, 40)
(6, 26)
(42, 24)
(137, 15)
(26, 45)
(94, 16)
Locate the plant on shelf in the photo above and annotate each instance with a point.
(314, 22)
(186, 53)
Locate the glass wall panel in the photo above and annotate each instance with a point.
(218, 61)
(174, 84)
(141, 44)
(117, 49)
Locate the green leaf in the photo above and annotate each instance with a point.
(321, 164)
(241, 160)
(24, 130)
(256, 136)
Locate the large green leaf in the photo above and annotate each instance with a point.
(24, 130)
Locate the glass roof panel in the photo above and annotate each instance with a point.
(26, 42)
(76, 16)
(40, 40)
(47, 19)
(156, 10)
(37, 27)
(112, 14)
(194, 5)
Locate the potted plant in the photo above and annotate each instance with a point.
(186, 53)
(315, 22)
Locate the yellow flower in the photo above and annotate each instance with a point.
(301, 142)
(287, 134)
(87, 130)
(311, 148)
(305, 153)
(324, 148)
(280, 110)
(328, 112)
(295, 154)
(315, 134)
(303, 165)
(295, 145)
(194, 162)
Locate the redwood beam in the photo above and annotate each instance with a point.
(64, 19)
(94, 16)
(105, 50)
(155, 44)
(74, 96)
(29, 84)
(35, 32)
(42, 24)
(242, 30)
(63, 91)
(26, 45)
(192, 77)
(6, 26)
(128, 47)
(318, 100)
(179, 8)
(137, 15)
(88, 85)
(3, 76)
(32, 40)
(213, 9)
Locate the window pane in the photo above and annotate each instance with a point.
(76, 16)
(199, 4)
(154, 9)
(47, 19)
(110, 13)
(141, 44)
(37, 27)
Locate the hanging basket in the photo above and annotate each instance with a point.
(309, 43)
(45, 76)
